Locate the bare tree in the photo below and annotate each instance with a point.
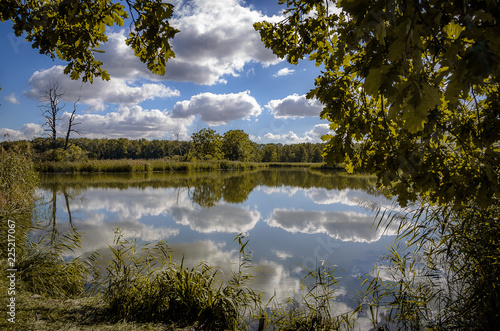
(51, 110)
(71, 125)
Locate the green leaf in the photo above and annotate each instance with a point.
(374, 80)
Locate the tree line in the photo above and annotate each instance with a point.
(206, 144)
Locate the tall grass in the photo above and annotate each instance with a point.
(134, 166)
(39, 263)
(143, 283)
(18, 182)
(317, 310)
(443, 271)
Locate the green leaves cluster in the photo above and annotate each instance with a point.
(237, 146)
(207, 144)
(150, 37)
(410, 89)
(74, 30)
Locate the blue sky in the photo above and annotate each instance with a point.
(222, 77)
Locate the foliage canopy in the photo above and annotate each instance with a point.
(410, 89)
(74, 30)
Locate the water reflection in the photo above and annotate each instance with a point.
(293, 218)
(345, 226)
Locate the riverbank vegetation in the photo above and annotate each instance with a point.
(206, 144)
(138, 287)
(207, 151)
(411, 91)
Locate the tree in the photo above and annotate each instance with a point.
(301, 154)
(71, 125)
(410, 89)
(270, 153)
(236, 145)
(74, 30)
(207, 144)
(51, 110)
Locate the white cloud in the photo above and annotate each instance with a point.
(28, 131)
(282, 255)
(216, 39)
(96, 95)
(217, 109)
(31, 130)
(289, 138)
(311, 136)
(319, 130)
(295, 106)
(99, 237)
(284, 72)
(225, 218)
(9, 134)
(346, 226)
(132, 122)
(12, 98)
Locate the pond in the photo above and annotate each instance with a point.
(295, 219)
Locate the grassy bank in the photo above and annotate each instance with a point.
(161, 165)
(135, 166)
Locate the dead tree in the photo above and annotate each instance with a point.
(71, 125)
(51, 110)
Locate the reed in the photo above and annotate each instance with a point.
(317, 309)
(142, 283)
(443, 271)
(135, 166)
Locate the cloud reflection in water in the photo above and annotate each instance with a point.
(345, 226)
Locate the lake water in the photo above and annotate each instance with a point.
(294, 219)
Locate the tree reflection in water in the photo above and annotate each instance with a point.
(293, 217)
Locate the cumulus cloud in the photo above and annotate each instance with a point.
(128, 205)
(96, 95)
(216, 39)
(31, 130)
(217, 109)
(312, 136)
(132, 122)
(284, 72)
(346, 226)
(220, 218)
(133, 204)
(295, 106)
(97, 234)
(289, 138)
(12, 98)
(28, 131)
(319, 130)
(9, 134)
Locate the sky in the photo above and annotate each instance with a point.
(221, 78)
